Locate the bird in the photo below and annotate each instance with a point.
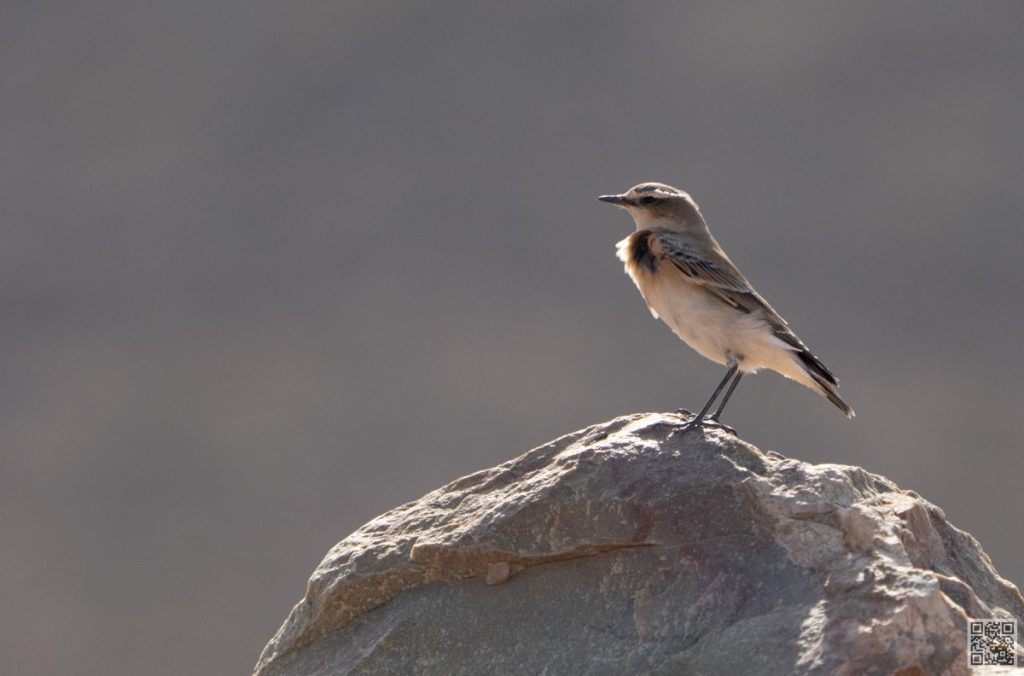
(689, 282)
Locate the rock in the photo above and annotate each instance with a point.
(632, 547)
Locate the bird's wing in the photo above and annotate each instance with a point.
(709, 267)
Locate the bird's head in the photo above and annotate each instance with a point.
(657, 205)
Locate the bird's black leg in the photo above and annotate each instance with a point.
(717, 415)
(698, 420)
(725, 399)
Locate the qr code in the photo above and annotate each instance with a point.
(992, 642)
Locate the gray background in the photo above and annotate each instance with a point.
(268, 269)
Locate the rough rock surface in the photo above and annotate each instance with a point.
(631, 547)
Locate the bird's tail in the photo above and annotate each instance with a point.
(825, 383)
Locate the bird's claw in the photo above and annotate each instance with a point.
(721, 425)
(708, 423)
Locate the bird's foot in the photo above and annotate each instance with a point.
(709, 421)
(714, 422)
(693, 423)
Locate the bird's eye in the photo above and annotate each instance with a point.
(650, 199)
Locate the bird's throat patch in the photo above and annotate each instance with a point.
(644, 250)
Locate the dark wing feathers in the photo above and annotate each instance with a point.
(716, 273)
(713, 270)
(719, 279)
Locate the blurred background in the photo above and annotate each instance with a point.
(269, 269)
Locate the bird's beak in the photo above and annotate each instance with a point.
(617, 200)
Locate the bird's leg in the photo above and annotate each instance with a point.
(728, 393)
(717, 415)
(698, 420)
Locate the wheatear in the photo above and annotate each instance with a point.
(688, 281)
